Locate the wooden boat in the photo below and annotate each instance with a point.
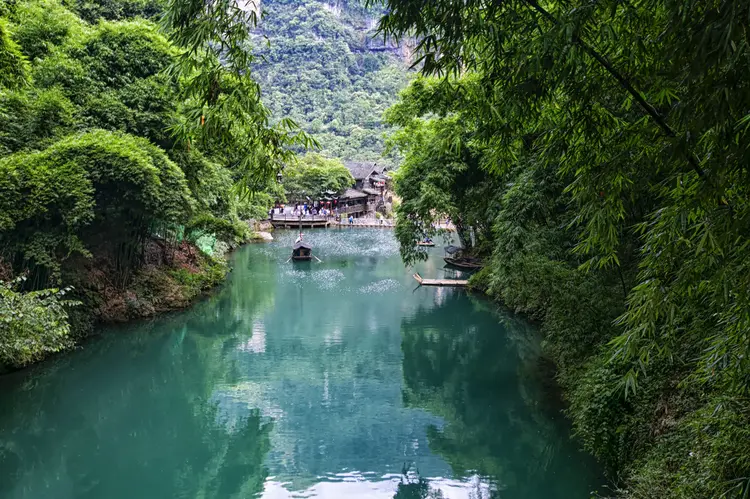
(457, 260)
(463, 263)
(302, 251)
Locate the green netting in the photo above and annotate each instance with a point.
(206, 243)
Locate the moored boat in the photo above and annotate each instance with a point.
(463, 263)
(458, 260)
(301, 251)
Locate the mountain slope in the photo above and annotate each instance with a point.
(324, 68)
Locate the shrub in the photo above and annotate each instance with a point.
(117, 182)
(43, 25)
(33, 324)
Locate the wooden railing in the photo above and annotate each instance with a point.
(343, 210)
(290, 217)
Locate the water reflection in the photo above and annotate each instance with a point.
(295, 381)
(114, 422)
(471, 369)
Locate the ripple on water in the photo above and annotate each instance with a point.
(380, 287)
(296, 276)
(341, 243)
(328, 279)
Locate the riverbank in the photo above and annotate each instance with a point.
(653, 439)
(172, 279)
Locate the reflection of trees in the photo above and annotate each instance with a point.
(136, 414)
(414, 486)
(460, 364)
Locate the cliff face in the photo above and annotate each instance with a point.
(322, 64)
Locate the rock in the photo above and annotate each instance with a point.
(259, 225)
(263, 236)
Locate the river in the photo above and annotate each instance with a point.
(336, 379)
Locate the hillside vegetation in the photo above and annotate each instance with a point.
(326, 68)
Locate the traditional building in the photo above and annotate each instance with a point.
(368, 194)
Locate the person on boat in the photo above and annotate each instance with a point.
(299, 238)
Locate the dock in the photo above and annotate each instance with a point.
(280, 221)
(457, 283)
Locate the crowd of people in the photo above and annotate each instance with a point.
(304, 210)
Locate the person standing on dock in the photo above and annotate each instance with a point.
(351, 220)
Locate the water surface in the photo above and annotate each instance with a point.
(336, 379)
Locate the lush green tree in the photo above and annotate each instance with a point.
(42, 25)
(119, 138)
(440, 177)
(14, 68)
(33, 119)
(93, 11)
(313, 176)
(83, 188)
(222, 111)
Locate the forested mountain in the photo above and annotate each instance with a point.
(324, 67)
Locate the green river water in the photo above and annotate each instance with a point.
(336, 379)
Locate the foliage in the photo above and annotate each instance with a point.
(116, 10)
(616, 136)
(437, 180)
(43, 25)
(220, 228)
(119, 137)
(322, 66)
(222, 111)
(108, 180)
(14, 68)
(32, 324)
(314, 175)
(33, 119)
(43, 208)
(116, 54)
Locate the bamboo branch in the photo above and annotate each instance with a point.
(625, 83)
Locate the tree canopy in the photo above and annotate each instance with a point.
(612, 141)
(314, 176)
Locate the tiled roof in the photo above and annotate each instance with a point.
(352, 194)
(361, 169)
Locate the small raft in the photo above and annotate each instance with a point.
(458, 283)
